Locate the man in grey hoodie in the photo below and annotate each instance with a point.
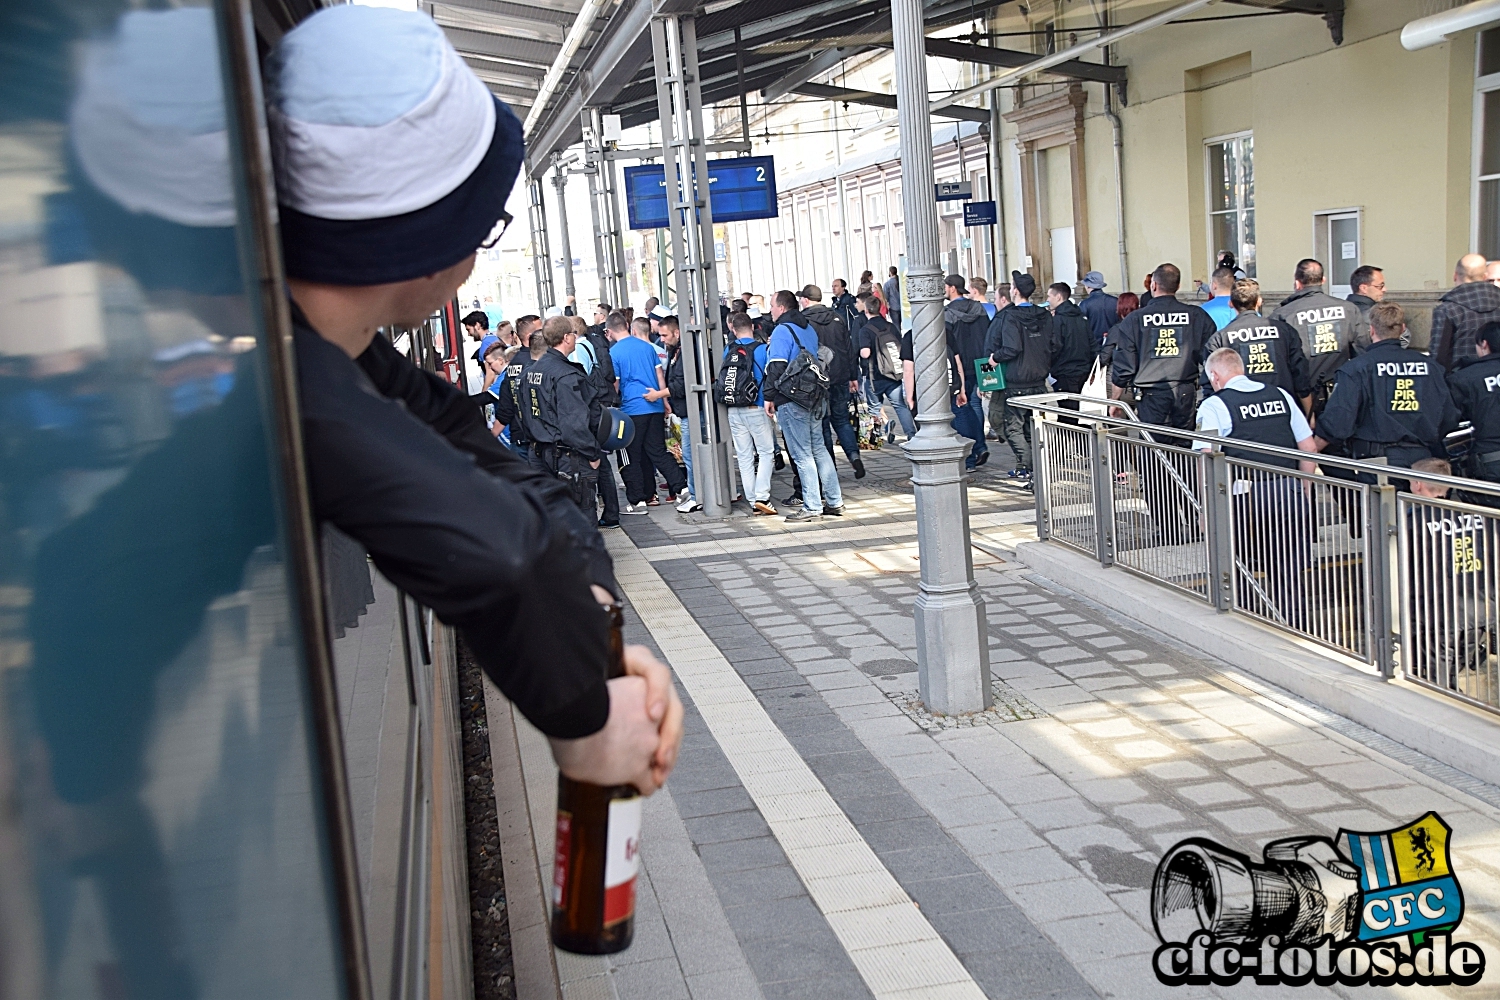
(965, 321)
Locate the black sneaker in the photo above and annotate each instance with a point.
(984, 456)
(834, 511)
(859, 468)
(608, 524)
(794, 499)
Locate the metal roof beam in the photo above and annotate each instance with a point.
(823, 92)
(819, 64)
(986, 55)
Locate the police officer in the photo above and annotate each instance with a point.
(1160, 349)
(1271, 350)
(558, 400)
(1332, 330)
(1475, 385)
(1391, 404)
(1273, 520)
(509, 411)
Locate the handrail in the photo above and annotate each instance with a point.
(1045, 402)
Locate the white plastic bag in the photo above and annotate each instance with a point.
(1097, 387)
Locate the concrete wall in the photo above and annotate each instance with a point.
(1364, 125)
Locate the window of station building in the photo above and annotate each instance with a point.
(1486, 195)
(1231, 198)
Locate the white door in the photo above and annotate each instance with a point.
(1064, 255)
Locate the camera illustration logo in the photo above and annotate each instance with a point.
(1377, 908)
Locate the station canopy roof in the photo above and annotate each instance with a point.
(782, 44)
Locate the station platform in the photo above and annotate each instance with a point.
(815, 800)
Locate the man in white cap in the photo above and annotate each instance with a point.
(393, 165)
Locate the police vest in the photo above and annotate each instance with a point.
(1476, 392)
(1332, 331)
(1261, 346)
(1169, 337)
(1261, 415)
(1404, 397)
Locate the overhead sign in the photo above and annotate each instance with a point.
(954, 191)
(979, 213)
(741, 188)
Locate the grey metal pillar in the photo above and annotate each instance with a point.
(997, 190)
(560, 181)
(541, 246)
(953, 655)
(604, 209)
(674, 44)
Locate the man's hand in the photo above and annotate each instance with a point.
(770, 408)
(662, 705)
(853, 385)
(624, 751)
(962, 399)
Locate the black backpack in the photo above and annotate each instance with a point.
(736, 384)
(602, 378)
(805, 380)
(888, 352)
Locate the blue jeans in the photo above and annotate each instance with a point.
(687, 457)
(820, 480)
(836, 421)
(896, 396)
(968, 422)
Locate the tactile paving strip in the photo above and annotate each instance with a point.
(897, 952)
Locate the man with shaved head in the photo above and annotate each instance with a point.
(1471, 303)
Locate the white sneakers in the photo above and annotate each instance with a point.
(688, 505)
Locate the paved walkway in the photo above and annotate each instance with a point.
(814, 803)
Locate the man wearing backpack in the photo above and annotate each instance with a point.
(880, 345)
(833, 333)
(739, 387)
(1021, 339)
(966, 324)
(797, 387)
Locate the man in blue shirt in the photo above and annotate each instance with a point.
(821, 493)
(1219, 308)
(1099, 307)
(642, 386)
(749, 424)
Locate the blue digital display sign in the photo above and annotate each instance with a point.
(739, 189)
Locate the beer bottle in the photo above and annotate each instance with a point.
(598, 850)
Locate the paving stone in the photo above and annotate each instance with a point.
(1142, 749)
(1265, 772)
(1358, 820)
(1252, 819)
(1148, 814)
(1213, 793)
(1227, 750)
(1049, 901)
(1360, 775)
(1303, 798)
(1051, 815)
(1075, 840)
(1109, 728)
(1175, 770)
(1108, 791)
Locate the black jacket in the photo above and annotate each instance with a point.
(1389, 396)
(1074, 345)
(508, 407)
(1475, 386)
(1364, 302)
(844, 306)
(833, 333)
(676, 382)
(1271, 350)
(557, 401)
(1457, 318)
(1332, 330)
(966, 323)
(1021, 339)
(1161, 344)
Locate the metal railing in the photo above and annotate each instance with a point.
(1349, 555)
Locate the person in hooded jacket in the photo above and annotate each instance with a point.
(843, 374)
(843, 302)
(966, 322)
(1471, 303)
(1270, 349)
(1074, 346)
(1020, 338)
(1475, 386)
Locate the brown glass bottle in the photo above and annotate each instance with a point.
(598, 851)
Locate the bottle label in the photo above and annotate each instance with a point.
(622, 859)
(560, 858)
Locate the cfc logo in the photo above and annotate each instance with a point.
(1363, 908)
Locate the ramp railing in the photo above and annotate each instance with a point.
(1345, 553)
